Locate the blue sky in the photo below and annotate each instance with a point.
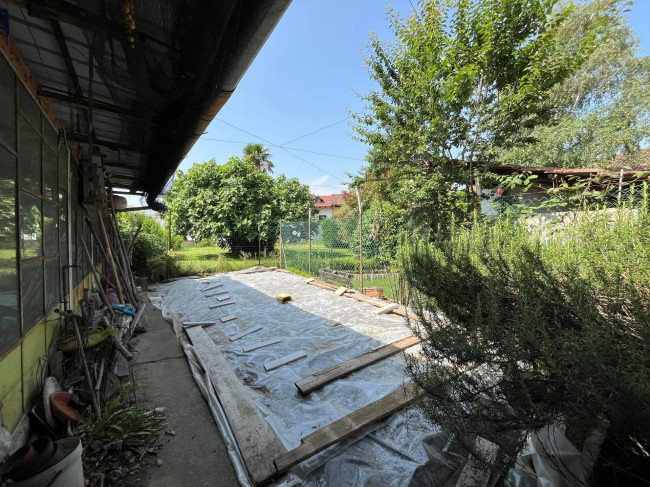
(305, 79)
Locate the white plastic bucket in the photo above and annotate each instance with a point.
(68, 472)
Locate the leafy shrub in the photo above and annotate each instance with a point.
(152, 239)
(558, 322)
(164, 266)
(336, 232)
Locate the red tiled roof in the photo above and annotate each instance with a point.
(329, 200)
(640, 163)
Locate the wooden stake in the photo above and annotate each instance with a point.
(111, 261)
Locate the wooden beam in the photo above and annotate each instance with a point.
(287, 359)
(244, 333)
(345, 427)
(319, 379)
(255, 438)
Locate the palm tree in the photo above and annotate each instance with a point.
(259, 155)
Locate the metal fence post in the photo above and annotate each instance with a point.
(309, 237)
(169, 231)
(360, 238)
(281, 247)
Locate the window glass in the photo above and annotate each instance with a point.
(63, 227)
(50, 134)
(52, 281)
(28, 107)
(50, 176)
(50, 229)
(32, 285)
(63, 170)
(31, 229)
(29, 157)
(9, 311)
(8, 104)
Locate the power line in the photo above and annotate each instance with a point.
(283, 148)
(317, 130)
(289, 148)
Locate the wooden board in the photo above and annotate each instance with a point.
(345, 427)
(287, 359)
(385, 309)
(244, 333)
(222, 298)
(322, 285)
(258, 345)
(227, 318)
(190, 324)
(210, 288)
(340, 291)
(319, 379)
(219, 305)
(255, 438)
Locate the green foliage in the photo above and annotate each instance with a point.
(259, 156)
(600, 111)
(336, 232)
(164, 266)
(558, 321)
(456, 87)
(233, 202)
(151, 242)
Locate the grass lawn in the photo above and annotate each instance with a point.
(211, 260)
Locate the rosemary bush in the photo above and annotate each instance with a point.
(553, 323)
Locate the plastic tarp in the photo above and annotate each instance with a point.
(330, 329)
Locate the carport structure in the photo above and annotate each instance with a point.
(97, 97)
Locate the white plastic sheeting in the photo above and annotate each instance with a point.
(390, 451)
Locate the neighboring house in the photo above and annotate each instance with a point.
(328, 205)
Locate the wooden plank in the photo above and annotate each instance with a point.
(219, 305)
(287, 359)
(190, 324)
(210, 288)
(216, 293)
(244, 333)
(227, 318)
(255, 438)
(322, 285)
(222, 298)
(340, 291)
(345, 427)
(385, 309)
(263, 344)
(319, 379)
(309, 279)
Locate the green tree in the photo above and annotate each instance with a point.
(233, 201)
(456, 87)
(259, 156)
(601, 111)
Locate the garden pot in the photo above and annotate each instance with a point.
(66, 469)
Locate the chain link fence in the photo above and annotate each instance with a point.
(342, 252)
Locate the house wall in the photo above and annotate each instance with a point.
(41, 224)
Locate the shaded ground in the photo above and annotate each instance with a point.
(192, 451)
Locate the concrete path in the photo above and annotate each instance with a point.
(195, 455)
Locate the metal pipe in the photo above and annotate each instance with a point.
(98, 283)
(73, 317)
(111, 261)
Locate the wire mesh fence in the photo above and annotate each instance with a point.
(342, 252)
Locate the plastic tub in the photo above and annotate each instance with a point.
(66, 472)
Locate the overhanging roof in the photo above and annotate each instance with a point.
(142, 98)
